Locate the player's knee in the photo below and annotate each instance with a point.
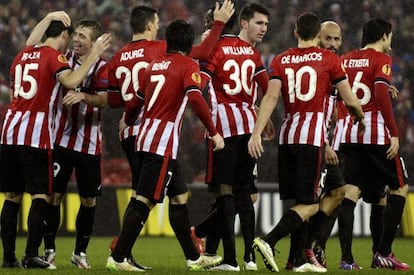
(179, 199)
(14, 197)
(56, 198)
(402, 191)
(338, 193)
(88, 202)
(352, 192)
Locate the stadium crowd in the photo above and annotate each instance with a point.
(17, 19)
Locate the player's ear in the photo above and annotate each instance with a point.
(150, 25)
(243, 24)
(295, 33)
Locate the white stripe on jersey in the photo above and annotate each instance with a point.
(143, 130)
(250, 118)
(177, 128)
(292, 130)
(165, 137)
(379, 138)
(222, 116)
(21, 132)
(237, 117)
(150, 133)
(132, 131)
(39, 120)
(304, 131)
(290, 125)
(319, 131)
(339, 130)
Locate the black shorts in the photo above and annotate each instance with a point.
(156, 176)
(25, 169)
(128, 145)
(233, 165)
(334, 178)
(367, 167)
(87, 171)
(299, 172)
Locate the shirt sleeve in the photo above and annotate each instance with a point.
(204, 49)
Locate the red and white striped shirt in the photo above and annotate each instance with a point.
(124, 70)
(342, 115)
(369, 73)
(166, 85)
(29, 118)
(234, 69)
(78, 127)
(307, 76)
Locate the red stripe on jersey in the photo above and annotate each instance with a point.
(88, 129)
(161, 180)
(44, 139)
(374, 130)
(29, 130)
(74, 126)
(312, 133)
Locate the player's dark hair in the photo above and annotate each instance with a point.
(209, 19)
(374, 29)
(139, 18)
(179, 36)
(56, 28)
(229, 26)
(308, 26)
(248, 10)
(96, 28)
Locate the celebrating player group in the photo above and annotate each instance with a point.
(338, 134)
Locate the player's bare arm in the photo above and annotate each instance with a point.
(352, 103)
(267, 105)
(394, 146)
(40, 29)
(73, 97)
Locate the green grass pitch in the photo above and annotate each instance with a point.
(164, 255)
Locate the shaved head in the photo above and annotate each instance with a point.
(331, 37)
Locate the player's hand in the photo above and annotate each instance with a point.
(122, 125)
(224, 13)
(393, 91)
(59, 16)
(361, 126)
(102, 44)
(331, 158)
(72, 98)
(269, 131)
(218, 142)
(394, 146)
(255, 146)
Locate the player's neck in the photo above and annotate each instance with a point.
(243, 36)
(51, 42)
(307, 43)
(141, 36)
(375, 46)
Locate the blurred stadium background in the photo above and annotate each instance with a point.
(18, 17)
